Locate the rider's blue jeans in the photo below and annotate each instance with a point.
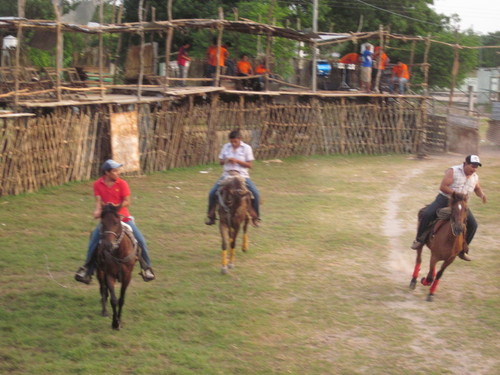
(94, 241)
(212, 195)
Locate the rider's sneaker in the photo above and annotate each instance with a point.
(210, 220)
(147, 274)
(416, 245)
(82, 276)
(464, 256)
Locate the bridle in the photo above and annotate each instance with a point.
(116, 243)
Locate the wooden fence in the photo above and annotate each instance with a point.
(69, 143)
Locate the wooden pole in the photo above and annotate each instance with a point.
(454, 72)
(381, 51)
(220, 29)
(412, 56)
(118, 45)
(168, 46)
(101, 49)
(268, 59)
(141, 54)
(59, 47)
(20, 12)
(425, 84)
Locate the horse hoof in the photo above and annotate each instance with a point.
(230, 266)
(424, 281)
(104, 313)
(430, 298)
(413, 284)
(223, 270)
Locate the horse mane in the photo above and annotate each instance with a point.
(229, 180)
(109, 209)
(458, 197)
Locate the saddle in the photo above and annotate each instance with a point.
(442, 215)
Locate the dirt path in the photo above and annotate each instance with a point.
(400, 267)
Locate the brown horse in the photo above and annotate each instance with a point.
(445, 242)
(116, 257)
(234, 205)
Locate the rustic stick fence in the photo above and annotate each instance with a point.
(70, 143)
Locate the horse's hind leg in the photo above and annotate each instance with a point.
(232, 246)
(416, 270)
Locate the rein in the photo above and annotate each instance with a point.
(116, 244)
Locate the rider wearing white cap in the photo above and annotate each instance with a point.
(463, 179)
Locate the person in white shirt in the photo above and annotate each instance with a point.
(463, 179)
(235, 156)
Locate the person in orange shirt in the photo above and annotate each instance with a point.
(212, 58)
(380, 61)
(244, 68)
(400, 76)
(350, 58)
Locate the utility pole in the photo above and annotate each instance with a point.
(315, 57)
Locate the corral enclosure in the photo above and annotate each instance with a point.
(69, 142)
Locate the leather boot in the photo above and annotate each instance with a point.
(463, 254)
(210, 220)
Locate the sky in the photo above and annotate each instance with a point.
(483, 16)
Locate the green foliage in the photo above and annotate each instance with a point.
(490, 58)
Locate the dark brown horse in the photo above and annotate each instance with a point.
(445, 242)
(234, 205)
(116, 257)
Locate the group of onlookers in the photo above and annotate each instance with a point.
(373, 60)
(241, 68)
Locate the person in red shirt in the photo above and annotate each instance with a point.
(400, 76)
(110, 188)
(182, 61)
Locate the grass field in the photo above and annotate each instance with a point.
(323, 289)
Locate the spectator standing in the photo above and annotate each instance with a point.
(183, 62)
(380, 61)
(366, 67)
(212, 58)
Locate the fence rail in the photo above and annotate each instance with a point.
(69, 144)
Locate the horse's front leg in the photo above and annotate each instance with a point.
(232, 244)
(245, 241)
(434, 285)
(110, 282)
(432, 271)
(416, 270)
(224, 233)
(103, 288)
